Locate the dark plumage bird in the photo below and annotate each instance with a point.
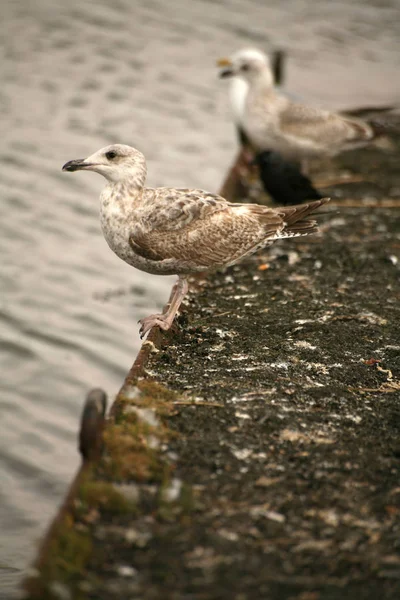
(284, 181)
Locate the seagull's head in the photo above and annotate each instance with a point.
(116, 163)
(247, 64)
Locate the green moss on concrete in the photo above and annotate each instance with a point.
(71, 551)
(132, 442)
(104, 497)
(71, 545)
(148, 394)
(68, 554)
(170, 509)
(129, 455)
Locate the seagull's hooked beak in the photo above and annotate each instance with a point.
(76, 165)
(227, 70)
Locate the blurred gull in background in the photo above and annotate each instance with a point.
(272, 121)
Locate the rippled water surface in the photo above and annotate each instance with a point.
(76, 76)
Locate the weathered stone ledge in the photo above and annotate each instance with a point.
(254, 452)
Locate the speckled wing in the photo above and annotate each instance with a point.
(202, 229)
(322, 127)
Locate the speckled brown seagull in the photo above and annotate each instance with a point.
(168, 231)
(272, 121)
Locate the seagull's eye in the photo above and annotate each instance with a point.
(110, 155)
(245, 67)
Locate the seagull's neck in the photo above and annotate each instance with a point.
(122, 196)
(263, 82)
(133, 183)
(131, 177)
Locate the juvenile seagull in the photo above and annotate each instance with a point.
(272, 121)
(168, 231)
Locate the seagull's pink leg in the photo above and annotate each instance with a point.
(166, 319)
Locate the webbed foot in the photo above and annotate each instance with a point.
(151, 321)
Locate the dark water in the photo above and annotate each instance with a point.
(76, 76)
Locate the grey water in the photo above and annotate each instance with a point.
(76, 76)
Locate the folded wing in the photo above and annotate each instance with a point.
(205, 230)
(322, 127)
(200, 229)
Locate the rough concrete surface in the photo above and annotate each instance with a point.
(257, 455)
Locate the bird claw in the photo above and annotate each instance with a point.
(152, 321)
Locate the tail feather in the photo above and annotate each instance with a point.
(383, 120)
(382, 126)
(302, 228)
(359, 131)
(293, 214)
(364, 112)
(295, 218)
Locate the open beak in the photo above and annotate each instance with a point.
(76, 165)
(226, 65)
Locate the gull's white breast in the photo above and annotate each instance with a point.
(237, 96)
(115, 226)
(118, 220)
